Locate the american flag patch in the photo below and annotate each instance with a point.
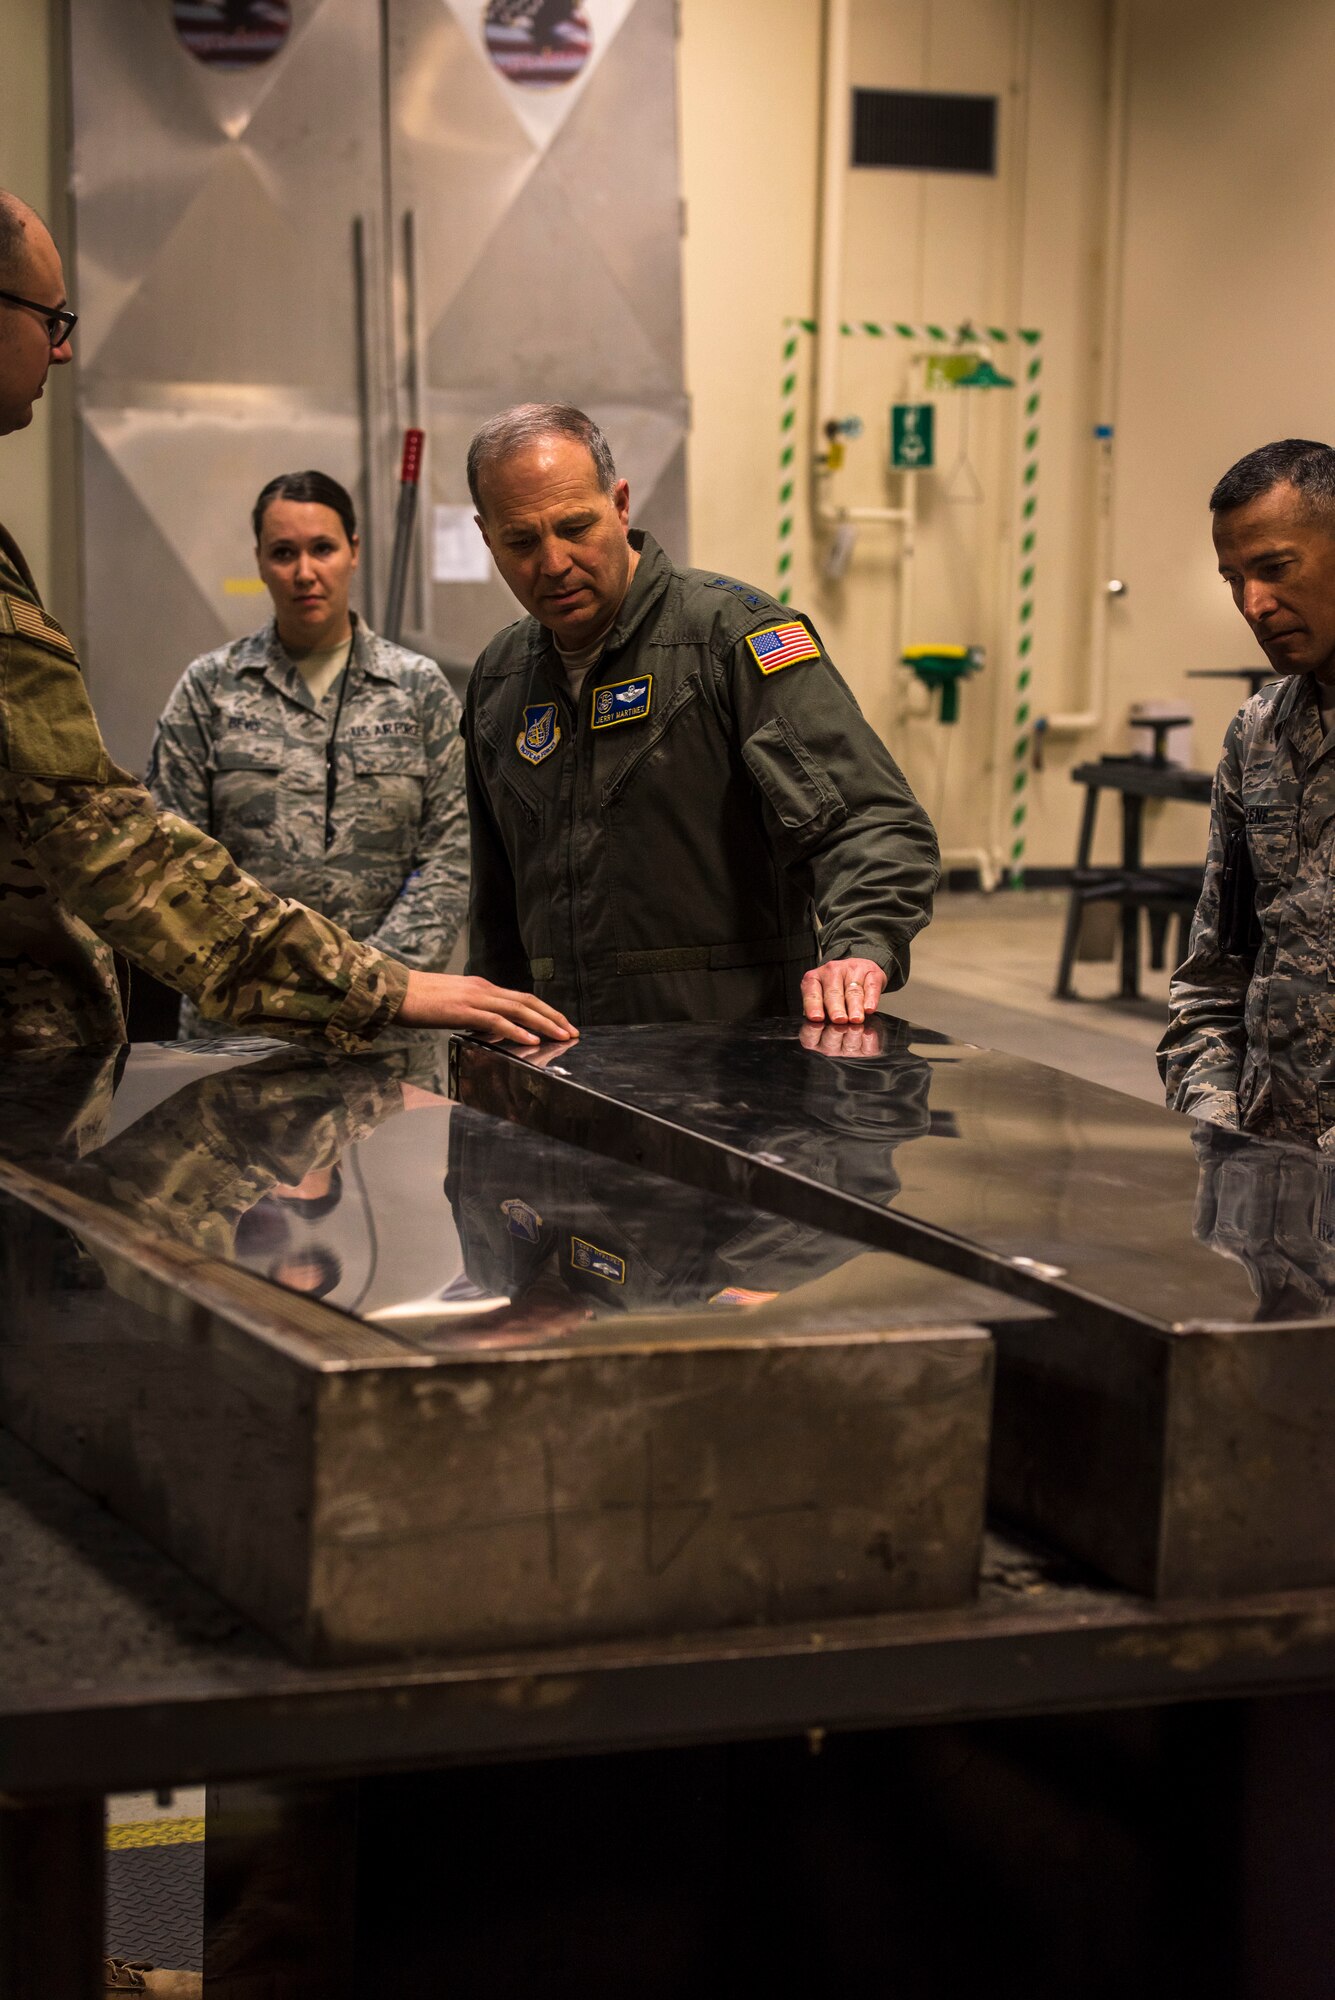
(33, 622)
(780, 645)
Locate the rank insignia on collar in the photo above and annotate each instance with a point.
(541, 732)
(602, 1263)
(623, 701)
(521, 1220)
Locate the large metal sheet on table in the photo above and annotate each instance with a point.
(559, 1399)
(1177, 1424)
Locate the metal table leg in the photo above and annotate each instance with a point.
(280, 1892)
(1075, 905)
(51, 1899)
(1133, 820)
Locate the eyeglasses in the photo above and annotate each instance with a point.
(60, 321)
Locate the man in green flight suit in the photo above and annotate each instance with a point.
(89, 868)
(677, 811)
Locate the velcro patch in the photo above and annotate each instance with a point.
(29, 621)
(782, 646)
(623, 701)
(603, 1263)
(520, 1219)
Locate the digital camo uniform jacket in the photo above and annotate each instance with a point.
(666, 850)
(241, 750)
(1255, 1047)
(89, 867)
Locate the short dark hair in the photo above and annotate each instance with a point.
(1298, 462)
(503, 435)
(14, 215)
(315, 487)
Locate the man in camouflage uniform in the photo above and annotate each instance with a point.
(677, 810)
(241, 752)
(89, 867)
(1251, 1035)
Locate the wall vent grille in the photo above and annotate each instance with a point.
(926, 131)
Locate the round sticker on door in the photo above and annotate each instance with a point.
(537, 41)
(232, 34)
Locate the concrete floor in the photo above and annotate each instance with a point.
(984, 971)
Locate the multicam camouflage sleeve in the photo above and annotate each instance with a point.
(152, 886)
(1202, 1050)
(422, 926)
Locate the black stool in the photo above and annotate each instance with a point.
(1163, 892)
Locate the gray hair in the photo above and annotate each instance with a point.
(1309, 468)
(513, 430)
(14, 214)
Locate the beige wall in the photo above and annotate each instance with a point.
(1017, 249)
(1228, 304)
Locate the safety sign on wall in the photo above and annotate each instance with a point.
(912, 436)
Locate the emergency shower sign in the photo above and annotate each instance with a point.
(537, 41)
(912, 436)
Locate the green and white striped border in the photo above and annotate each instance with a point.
(1027, 337)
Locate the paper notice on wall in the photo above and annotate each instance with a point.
(458, 552)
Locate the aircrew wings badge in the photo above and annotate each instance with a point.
(541, 732)
(782, 646)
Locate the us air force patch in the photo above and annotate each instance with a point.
(521, 1220)
(603, 1263)
(781, 646)
(541, 732)
(623, 701)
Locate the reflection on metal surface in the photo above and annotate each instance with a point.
(561, 1398)
(1176, 1425)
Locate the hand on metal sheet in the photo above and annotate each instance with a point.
(843, 990)
(458, 1000)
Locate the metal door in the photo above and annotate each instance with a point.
(228, 225)
(302, 224)
(536, 228)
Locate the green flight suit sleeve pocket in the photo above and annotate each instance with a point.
(804, 798)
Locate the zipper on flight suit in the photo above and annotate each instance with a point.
(572, 710)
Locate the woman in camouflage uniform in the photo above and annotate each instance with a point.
(326, 760)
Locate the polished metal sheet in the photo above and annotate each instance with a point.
(1175, 1423)
(394, 1375)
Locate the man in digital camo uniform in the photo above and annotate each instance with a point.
(89, 867)
(677, 811)
(1251, 1035)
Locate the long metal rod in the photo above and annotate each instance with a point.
(365, 425)
(409, 474)
(1095, 691)
(417, 396)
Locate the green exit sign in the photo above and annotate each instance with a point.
(912, 436)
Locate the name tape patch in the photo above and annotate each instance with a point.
(602, 1263)
(781, 646)
(540, 734)
(623, 701)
